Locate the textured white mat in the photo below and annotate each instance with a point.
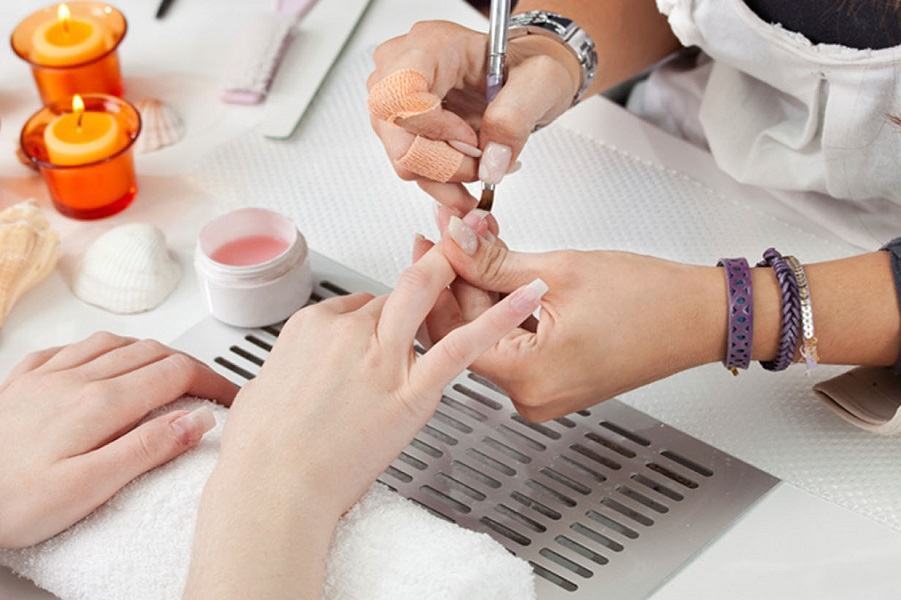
(575, 192)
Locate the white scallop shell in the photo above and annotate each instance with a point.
(29, 250)
(127, 270)
(160, 125)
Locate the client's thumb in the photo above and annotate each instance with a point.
(484, 261)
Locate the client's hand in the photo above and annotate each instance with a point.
(612, 321)
(68, 439)
(340, 396)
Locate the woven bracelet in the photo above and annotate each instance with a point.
(741, 313)
(791, 311)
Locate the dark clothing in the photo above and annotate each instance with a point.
(857, 24)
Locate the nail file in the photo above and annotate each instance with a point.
(259, 51)
(319, 42)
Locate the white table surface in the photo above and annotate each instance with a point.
(790, 544)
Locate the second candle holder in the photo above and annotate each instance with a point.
(86, 157)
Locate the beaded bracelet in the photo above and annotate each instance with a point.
(741, 313)
(791, 311)
(809, 348)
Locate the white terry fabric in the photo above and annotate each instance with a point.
(782, 113)
(138, 545)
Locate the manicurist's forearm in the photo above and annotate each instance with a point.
(855, 312)
(630, 35)
(264, 541)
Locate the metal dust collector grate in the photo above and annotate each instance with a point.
(603, 501)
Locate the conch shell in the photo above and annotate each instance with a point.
(29, 250)
(160, 125)
(127, 270)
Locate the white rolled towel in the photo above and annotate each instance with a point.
(138, 545)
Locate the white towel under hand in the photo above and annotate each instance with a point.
(138, 545)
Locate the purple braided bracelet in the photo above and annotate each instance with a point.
(791, 311)
(741, 313)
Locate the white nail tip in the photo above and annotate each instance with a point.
(467, 149)
(192, 426)
(537, 288)
(463, 235)
(495, 162)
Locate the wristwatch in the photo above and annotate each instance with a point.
(564, 30)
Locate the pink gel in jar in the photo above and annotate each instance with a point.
(249, 250)
(253, 267)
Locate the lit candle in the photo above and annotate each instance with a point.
(81, 136)
(72, 48)
(83, 150)
(68, 40)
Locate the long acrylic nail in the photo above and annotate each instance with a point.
(190, 427)
(467, 149)
(525, 299)
(516, 167)
(474, 217)
(463, 235)
(494, 163)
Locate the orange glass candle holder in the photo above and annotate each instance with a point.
(71, 48)
(96, 189)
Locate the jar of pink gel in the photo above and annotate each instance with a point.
(253, 267)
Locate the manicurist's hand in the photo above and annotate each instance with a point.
(430, 82)
(611, 322)
(69, 433)
(341, 394)
(614, 321)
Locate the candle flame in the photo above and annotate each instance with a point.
(78, 109)
(63, 14)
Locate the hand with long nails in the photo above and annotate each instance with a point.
(598, 332)
(339, 397)
(426, 100)
(71, 430)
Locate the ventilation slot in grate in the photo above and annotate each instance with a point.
(589, 499)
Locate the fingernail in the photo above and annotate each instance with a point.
(526, 299)
(467, 149)
(494, 163)
(474, 217)
(418, 238)
(190, 427)
(516, 167)
(489, 237)
(463, 235)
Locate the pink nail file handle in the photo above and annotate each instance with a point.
(298, 8)
(260, 51)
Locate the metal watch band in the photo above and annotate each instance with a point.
(576, 39)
